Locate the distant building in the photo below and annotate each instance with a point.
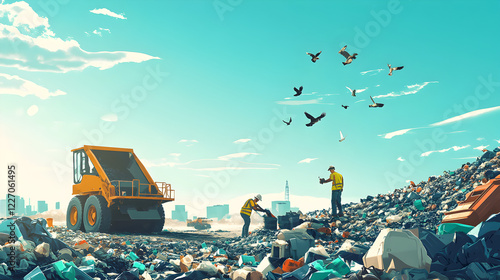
(58, 205)
(294, 209)
(42, 206)
(180, 213)
(20, 208)
(28, 211)
(280, 208)
(218, 211)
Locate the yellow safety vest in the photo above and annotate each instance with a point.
(248, 207)
(337, 181)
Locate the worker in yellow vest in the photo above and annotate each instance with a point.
(337, 187)
(246, 211)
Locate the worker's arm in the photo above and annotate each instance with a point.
(322, 181)
(258, 208)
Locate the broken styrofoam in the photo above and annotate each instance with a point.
(395, 250)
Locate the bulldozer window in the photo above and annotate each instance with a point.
(120, 166)
(79, 165)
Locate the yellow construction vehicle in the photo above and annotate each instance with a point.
(114, 192)
(199, 223)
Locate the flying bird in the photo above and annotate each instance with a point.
(288, 123)
(394, 68)
(345, 107)
(354, 91)
(347, 56)
(342, 138)
(313, 119)
(375, 105)
(314, 57)
(298, 91)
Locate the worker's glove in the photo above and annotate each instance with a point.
(322, 180)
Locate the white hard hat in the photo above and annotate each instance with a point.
(259, 197)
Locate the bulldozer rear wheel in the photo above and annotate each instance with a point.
(74, 214)
(97, 216)
(157, 225)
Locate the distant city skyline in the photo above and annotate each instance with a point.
(21, 209)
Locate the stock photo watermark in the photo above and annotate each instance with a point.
(122, 107)
(381, 19)
(221, 180)
(484, 90)
(223, 6)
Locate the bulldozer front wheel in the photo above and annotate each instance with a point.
(97, 216)
(74, 214)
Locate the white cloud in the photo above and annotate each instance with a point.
(467, 116)
(243, 140)
(373, 72)
(498, 141)
(23, 17)
(396, 133)
(329, 94)
(459, 131)
(307, 160)
(312, 93)
(32, 110)
(106, 12)
(401, 159)
(226, 162)
(188, 141)
(412, 90)
(229, 168)
(23, 29)
(481, 147)
(99, 32)
(301, 102)
(455, 148)
(110, 117)
(236, 155)
(16, 85)
(480, 139)
(175, 154)
(360, 101)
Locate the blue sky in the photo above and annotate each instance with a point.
(199, 88)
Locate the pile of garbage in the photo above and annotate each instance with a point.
(398, 235)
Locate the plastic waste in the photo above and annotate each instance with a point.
(340, 266)
(447, 228)
(35, 274)
(396, 249)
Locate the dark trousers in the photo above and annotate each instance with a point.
(246, 226)
(336, 202)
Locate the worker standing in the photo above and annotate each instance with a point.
(337, 187)
(246, 211)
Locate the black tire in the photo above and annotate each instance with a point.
(101, 222)
(77, 202)
(158, 224)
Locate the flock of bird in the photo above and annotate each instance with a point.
(349, 59)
